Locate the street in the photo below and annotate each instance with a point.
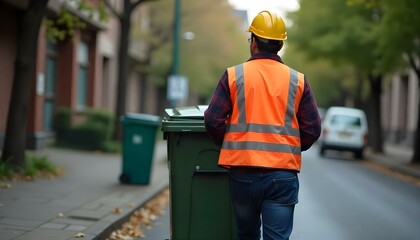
(341, 198)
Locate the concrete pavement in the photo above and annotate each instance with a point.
(85, 197)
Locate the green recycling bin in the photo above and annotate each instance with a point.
(200, 206)
(139, 136)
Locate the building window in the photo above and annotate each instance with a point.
(106, 103)
(83, 76)
(50, 89)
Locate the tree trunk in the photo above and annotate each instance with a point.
(358, 101)
(416, 155)
(122, 68)
(375, 128)
(143, 90)
(27, 41)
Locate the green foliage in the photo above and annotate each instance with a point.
(347, 37)
(103, 120)
(66, 24)
(365, 3)
(93, 133)
(41, 163)
(36, 166)
(372, 35)
(6, 170)
(62, 119)
(219, 42)
(347, 42)
(86, 7)
(329, 81)
(111, 146)
(205, 58)
(399, 31)
(88, 135)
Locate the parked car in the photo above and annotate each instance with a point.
(344, 129)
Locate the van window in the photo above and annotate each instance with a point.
(346, 120)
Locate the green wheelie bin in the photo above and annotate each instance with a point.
(200, 206)
(139, 136)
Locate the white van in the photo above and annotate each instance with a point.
(344, 129)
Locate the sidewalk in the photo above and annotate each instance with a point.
(397, 158)
(83, 200)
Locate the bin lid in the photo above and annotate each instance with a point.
(184, 119)
(140, 118)
(192, 112)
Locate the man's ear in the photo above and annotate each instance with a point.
(254, 45)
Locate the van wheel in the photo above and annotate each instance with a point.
(322, 151)
(359, 154)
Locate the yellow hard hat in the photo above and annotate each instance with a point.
(268, 25)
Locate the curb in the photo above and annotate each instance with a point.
(125, 216)
(386, 161)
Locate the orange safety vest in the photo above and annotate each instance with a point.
(263, 130)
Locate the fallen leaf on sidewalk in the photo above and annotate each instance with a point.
(5, 185)
(79, 235)
(142, 218)
(116, 211)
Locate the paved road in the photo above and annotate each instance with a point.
(160, 230)
(342, 198)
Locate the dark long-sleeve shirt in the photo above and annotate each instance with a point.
(220, 108)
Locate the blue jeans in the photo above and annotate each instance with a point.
(268, 196)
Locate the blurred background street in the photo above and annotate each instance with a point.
(344, 198)
(88, 83)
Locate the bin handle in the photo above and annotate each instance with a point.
(211, 171)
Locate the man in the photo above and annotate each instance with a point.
(263, 113)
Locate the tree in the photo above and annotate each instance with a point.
(348, 38)
(27, 45)
(219, 42)
(400, 43)
(332, 84)
(124, 40)
(27, 40)
(157, 38)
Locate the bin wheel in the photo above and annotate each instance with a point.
(125, 178)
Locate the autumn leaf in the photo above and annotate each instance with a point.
(116, 211)
(79, 235)
(143, 218)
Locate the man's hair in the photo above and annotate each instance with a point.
(267, 45)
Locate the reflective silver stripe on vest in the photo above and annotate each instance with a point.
(290, 111)
(240, 92)
(270, 147)
(263, 128)
(242, 126)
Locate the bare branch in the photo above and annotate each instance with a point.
(134, 4)
(112, 9)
